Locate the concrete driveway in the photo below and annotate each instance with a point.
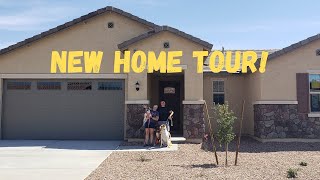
(52, 159)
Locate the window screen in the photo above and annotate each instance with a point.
(79, 86)
(110, 85)
(49, 85)
(21, 85)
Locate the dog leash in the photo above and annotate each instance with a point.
(171, 120)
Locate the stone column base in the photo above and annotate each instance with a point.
(134, 121)
(193, 121)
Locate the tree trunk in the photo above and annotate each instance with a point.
(226, 163)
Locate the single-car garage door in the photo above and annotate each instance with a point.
(63, 109)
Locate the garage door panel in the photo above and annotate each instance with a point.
(63, 114)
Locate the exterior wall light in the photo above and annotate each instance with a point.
(137, 86)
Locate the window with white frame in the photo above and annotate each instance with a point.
(314, 82)
(218, 91)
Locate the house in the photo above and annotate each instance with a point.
(36, 104)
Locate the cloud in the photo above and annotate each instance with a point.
(140, 3)
(5, 44)
(17, 4)
(36, 17)
(270, 26)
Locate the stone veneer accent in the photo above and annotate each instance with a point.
(134, 121)
(284, 121)
(193, 121)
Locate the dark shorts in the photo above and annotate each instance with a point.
(150, 124)
(164, 122)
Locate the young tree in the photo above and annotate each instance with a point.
(225, 120)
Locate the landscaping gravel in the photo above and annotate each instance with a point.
(256, 161)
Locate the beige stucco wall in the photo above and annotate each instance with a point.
(234, 93)
(193, 80)
(91, 35)
(252, 93)
(279, 80)
(278, 83)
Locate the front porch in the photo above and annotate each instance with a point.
(188, 118)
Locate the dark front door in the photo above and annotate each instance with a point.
(170, 92)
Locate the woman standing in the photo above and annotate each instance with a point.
(151, 118)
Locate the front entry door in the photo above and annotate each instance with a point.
(170, 92)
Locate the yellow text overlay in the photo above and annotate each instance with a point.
(163, 62)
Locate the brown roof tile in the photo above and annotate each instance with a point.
(159, 29)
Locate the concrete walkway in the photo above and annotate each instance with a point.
(174, 147)
(52, 159)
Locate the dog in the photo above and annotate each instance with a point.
(165, 136)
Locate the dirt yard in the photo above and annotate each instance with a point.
(256, 161)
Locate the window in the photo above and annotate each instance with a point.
(112, 85)
(218, 92)
(49, 85)
(79, 86)
(18, 85)
(314, 81)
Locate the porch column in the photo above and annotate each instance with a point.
(193, 120)
(193, 106)
(134, 105)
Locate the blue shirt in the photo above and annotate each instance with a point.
(154, 113)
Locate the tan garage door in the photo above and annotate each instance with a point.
(63, 109)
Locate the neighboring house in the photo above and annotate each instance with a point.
(38, 105)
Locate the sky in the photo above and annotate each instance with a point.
(245, 24)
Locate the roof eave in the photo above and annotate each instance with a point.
(294, 46)
(206, 45)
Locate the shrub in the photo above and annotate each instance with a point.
(225, 120)
(142, 158)
(292, 173)
(303, 163)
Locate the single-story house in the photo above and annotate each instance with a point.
(283, 102)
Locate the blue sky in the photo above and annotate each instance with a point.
(245, 24)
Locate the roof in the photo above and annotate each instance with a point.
(258, 51)
(159, 29)
(76, 21)
(294, 46)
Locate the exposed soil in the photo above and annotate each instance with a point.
(256, 161)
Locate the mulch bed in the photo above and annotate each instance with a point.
(256, 161)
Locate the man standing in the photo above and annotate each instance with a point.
(164, 115)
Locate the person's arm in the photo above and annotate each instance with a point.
(156, 118)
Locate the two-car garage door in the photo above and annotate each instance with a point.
(63, 109)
